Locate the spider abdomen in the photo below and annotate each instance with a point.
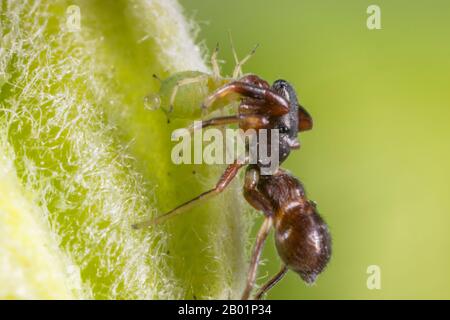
(302, 240)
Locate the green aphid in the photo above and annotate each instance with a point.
(184, 94)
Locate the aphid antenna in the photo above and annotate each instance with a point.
(155, 76)
(215, 62)
(238, 69)
(233, 49)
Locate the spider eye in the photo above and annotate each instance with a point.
(284, 89)
(283, 129)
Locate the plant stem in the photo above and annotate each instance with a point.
(95, 160)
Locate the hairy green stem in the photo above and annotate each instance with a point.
(84, 159)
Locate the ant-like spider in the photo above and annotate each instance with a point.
(301, 236)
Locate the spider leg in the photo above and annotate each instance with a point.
(213, 122)
(236, 90)
(253, 196)
(260, 239)
(245, 121)
(273, 281)
(259, 202)
(198, 125)
(260, 107)
(224, 181)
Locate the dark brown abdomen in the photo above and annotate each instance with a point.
(302, 240)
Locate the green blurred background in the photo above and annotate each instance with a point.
(377, 161)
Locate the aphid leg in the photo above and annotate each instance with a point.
(225, 179)
(260, 239)
(235, 90)
(238, 68)
(215, 63)
(273, 281)
(181, 83)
